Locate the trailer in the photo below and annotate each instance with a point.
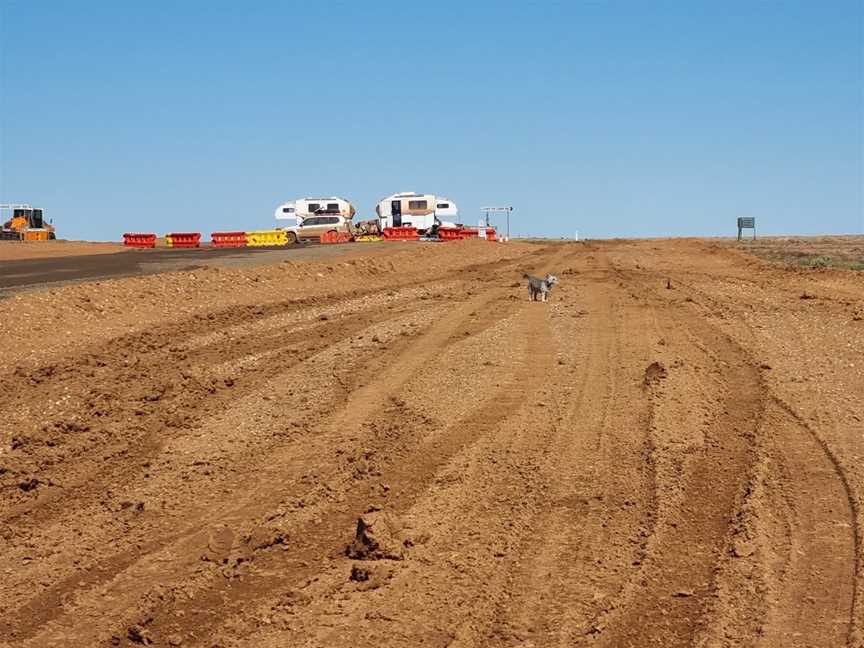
(294, 213)
(422, 211)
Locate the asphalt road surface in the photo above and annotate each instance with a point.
(38, 273)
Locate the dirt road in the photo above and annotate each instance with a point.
(666, 454)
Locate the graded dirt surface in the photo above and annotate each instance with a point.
(16, 250)
(405, 451)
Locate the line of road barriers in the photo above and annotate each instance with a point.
(277, 238)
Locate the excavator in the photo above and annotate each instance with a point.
(27, 224)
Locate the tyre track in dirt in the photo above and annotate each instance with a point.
(42, 607)
(818, 581)
(33, 626)
(325, 534)
(601, 500)
(92, 490)
(802, 603)
(697, 496)
(468, 508)
(164, 352)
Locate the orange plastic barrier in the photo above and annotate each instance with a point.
(228, 239)
(183, 239)
(139, 240)
(401, 234)
(459, 233)
(336, 237)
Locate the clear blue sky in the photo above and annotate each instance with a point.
(613, 118)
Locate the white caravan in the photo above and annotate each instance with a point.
(409, 209)
(293, 213)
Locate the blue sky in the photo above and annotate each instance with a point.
(611, 118)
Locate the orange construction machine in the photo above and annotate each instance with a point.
(27, 224)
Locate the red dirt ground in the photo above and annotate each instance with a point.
(668, 453)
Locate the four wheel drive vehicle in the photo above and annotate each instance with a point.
(310, 229)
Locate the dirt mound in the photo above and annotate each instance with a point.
(654, 373)
(378, 536)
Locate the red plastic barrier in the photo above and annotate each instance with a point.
(336, 237)
(228, 239)
(459, 233)
(184, 239)
(401, 234)
(138, 240)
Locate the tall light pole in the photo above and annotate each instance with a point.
(507, 209)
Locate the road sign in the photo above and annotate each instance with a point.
(489, 210)
(746, 222)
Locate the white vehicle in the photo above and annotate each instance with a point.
(312, 227)
(409, 209)
(293, 213)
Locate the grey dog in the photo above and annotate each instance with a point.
(541, 287)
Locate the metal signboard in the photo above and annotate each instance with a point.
(746, 222)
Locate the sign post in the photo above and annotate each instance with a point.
(746, 223)
(488, 210)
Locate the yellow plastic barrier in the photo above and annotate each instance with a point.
(263, 238)
(367, 239)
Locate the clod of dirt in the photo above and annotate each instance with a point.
(29, 484)
(138, 635)
(370, 577)
(683, 593)
(377, 537)
(668, 284)
(219, 545)
(654, 373)
(359, 573)
(806, 295)
(175, 640)
(743, 548)
(263, 537)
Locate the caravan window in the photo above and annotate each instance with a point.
(287, 210)
(314, 207)
(416, 204)
(332, 208)
(443, 205)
